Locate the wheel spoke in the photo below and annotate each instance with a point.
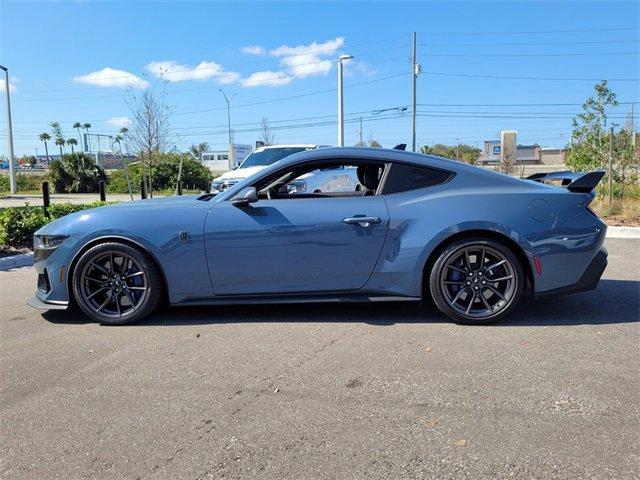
(492, 280)
(482, 259)
(136, 288)
(104, 304)
(130, 297)
(467, 259)
(494, 265)
(494, 290)
(97, 292)
(97, 280)
(454, 282)
(484, 300)
(134, 275)
(461, 270)
(458, 295)
(118, 303)
(101, 268)
(473, 298)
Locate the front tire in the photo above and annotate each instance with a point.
(114, 284)
(476, 281)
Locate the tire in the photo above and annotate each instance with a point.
(115, 284)
(476, 281)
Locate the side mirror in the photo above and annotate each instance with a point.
(245, 197)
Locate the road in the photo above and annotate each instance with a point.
(326, 391)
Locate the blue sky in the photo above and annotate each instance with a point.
(75, 61)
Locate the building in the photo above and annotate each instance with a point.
(525, 154)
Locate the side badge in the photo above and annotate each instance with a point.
(184, 236)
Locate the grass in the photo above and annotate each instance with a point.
(620, 212)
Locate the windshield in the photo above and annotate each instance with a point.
(269, 156)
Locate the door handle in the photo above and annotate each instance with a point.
(362, 221)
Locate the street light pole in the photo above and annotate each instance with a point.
(228, 100)
(12, 172)
(341, 101)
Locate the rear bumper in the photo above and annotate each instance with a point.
(589, 279)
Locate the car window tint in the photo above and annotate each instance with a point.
(402, 178)
(329, 179)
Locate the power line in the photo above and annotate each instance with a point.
(509, 77)
(523, 44)
(522, 32)
(518, 55)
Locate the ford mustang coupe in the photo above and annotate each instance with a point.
(415, 227)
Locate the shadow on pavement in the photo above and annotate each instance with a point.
(614, 301)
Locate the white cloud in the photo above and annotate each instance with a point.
(254, 50)
(362, 68)
(176, 72)
(266, 78)
(111, 77)
(305, 60)
(119, 121)
(13, 81)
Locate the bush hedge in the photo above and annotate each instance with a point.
(18, 224)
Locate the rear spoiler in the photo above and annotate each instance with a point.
(574, 182)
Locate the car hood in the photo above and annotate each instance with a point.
(116, 213)
(241, 173)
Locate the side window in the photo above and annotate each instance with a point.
(402, 178)
(330, 179)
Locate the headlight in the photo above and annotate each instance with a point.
(44, 245)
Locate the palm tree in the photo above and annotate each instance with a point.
(86, 127)
(60, 141)
(123, 135)
(45, 137)
(72, 142)
(78, 126)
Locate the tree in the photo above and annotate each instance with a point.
(149, 133)
(507, 163)
(86, 127)
(467, 153)
(72, 142)
(76, 173)
(78, 126)
(589, 138)
(45, 137)
(267, 136)
(374, 143)
(198, 150)
(60, 142)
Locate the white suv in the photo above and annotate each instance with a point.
(314, 182)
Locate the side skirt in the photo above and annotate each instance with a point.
(294, 298)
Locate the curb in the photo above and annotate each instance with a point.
(623, 232)
(16, 261)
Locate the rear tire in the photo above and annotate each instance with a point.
(476, 281)
(115, 284)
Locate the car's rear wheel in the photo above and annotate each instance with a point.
(476, 280)
(114, 283)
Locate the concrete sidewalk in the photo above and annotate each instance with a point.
(75, 198)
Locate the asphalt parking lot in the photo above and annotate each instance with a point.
(326, 391)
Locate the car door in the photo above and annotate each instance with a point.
(294, 245)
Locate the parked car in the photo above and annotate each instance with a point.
(420, 226)
(257, 160)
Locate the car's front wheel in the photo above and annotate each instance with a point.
(476, 280)
(114, 283)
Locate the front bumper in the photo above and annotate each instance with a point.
(589, 279)
(35, 302)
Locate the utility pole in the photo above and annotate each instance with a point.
(12, 171)
(228, 100)
(341, 59)
(457, 149)
(416, 69)
(610, 165)
(360, 133)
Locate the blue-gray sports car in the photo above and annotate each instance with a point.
(414, 227)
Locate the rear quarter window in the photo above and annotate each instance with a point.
(402, 178)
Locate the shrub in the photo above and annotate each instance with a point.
(18, 224)
(26, 182)
(76, 173)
